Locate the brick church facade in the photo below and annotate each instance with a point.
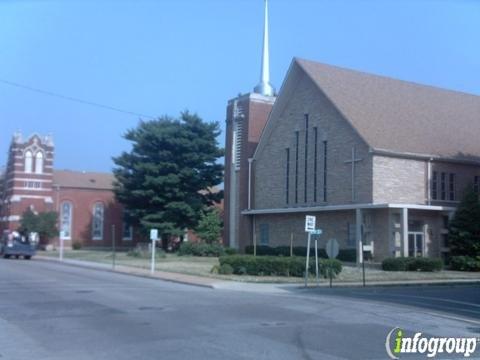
(85, 202)
(381, 163)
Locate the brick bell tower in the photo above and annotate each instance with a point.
(246, 117)
(27, 181)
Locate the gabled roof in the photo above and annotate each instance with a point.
(402, 117)
(83, 180)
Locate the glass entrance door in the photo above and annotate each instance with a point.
(415, 244)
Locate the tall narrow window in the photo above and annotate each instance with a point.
(28, 161)
(325, 153)
(306, 160)
(97, 221)
(39, 163)
(451, 187)
(127, 232)
(264, 234)
(443, 186)
(237, 143)
(476, 184)
(297, 139)
(66, 220)
(434, 189)
(287, 176)
(315, 165)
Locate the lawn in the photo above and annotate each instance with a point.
(201, 266)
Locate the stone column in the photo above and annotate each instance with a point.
(405, 231)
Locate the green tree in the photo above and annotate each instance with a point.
(167, 178)
(464, 229)
(44, 223)
(209, 227)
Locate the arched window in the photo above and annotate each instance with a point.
(28, 161)
(39, 163)
(66, 220)
(97, 221)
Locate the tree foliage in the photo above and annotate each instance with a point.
(209, 227)
(167, 178)
(44, 223)
(464, 229)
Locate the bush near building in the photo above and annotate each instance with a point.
(347, 255)
(412, 264)
(202, 249)
(465, 263)
(278, 265)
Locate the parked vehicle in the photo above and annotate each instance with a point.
(14, 244)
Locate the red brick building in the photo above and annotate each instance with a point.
(85, 202)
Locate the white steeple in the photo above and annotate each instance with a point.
(264, 87)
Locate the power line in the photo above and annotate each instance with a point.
(73, 99)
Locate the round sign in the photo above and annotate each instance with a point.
(332, 248)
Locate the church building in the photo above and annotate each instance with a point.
(381, 163)
(88, 211)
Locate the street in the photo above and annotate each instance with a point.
(55, 311)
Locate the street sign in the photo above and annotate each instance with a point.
(309, 223)
(316, 232)
(154, 234)
(332, 248)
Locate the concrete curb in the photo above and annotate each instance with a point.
(126, 270)
(456, 282)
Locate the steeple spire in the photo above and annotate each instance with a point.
(264, 87)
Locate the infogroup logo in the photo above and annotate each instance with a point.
(397, 344)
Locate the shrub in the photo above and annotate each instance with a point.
(465, 263)
(201, 249)
(424, 264)
(142, 252)
(225, 269)
(230, 251)
(76, 245)
(276, 265)
(348, 255)
(412, 264)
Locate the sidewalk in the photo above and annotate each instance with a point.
(219, 284)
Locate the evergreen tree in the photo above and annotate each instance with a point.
(464, 229)
(167, 178)
(209, 227)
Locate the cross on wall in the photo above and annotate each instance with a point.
(353, 161)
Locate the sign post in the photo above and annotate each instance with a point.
(154, 238)
(332, 248)
(309, 227)
(317, 233)
(62, 235)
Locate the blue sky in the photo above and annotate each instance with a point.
(162, 57)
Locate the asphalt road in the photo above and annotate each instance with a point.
(54, 311)
(461, 301)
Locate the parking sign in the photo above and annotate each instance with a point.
(309, 223)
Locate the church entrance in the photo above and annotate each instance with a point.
(415, 243)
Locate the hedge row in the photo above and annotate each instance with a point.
(202, 249)
(412, 264)
(465, 263)
(348, 255)
(277, 266)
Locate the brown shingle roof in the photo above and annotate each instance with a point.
(402, 117)
(83, 180)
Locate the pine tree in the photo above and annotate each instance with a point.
(167, 178)
(209, 228)
(464, 229)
